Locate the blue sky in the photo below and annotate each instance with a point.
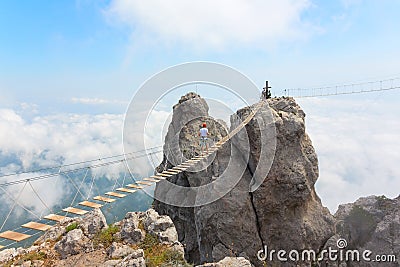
(88, 57)
(53, 51)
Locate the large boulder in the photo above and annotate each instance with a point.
(283, 213)
(160, 226)
(73, 243)
(130, 230)
(93, 222)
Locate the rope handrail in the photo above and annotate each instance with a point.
(44, 176)
(78, 163)
(345, 89)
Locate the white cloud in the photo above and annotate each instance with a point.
(47, 141)
(213, 24)
(96, 101)
(356, 141)
(36, 196)
(51, 140)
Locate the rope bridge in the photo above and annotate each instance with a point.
(119, 190)
(345, 89)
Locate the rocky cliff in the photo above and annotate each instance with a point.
(283, 213)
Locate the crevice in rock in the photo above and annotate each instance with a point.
(255, 211)
(257, 219)
(234, 253)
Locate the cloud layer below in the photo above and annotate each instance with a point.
(356, 141)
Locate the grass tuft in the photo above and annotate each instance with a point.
(71, 227)
(106, 237)
(158, 254)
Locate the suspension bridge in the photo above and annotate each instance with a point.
(120, 190)
(345, 89)
(83, 201)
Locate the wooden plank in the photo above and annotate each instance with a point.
(115, 194)
(144, 183)
(169, 172)
(104, 199)
(126, 190)
(15, 236)
(55, 217)
(179, 168)
(91, 204)
(173, 171)
(157, 177)
(135, 186)
(164, 175)
(75, 211)
(37, 226)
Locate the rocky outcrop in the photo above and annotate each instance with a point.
(283, 213)
(93, 222)
(371, 223)
(89, 241)
(160, 226)
(74, 242)
(130, 230)
(131, 257)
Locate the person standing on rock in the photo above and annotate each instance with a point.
(203, 133)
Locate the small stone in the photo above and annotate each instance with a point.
(117, 250)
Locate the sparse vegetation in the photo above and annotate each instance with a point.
(32, 256)
(71, 227)
(361, 224)
(141, 225)
(158, 254)
(106, 237)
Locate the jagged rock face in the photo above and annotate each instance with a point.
(74, 242)
(93, 222)
(283, 213)
(289, 212)
(130, 231)
(371, 223)
(160, 226)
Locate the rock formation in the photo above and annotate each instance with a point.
(89, 241)
(283, 213)
(371, 223)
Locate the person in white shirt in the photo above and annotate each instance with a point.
(203, 133)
